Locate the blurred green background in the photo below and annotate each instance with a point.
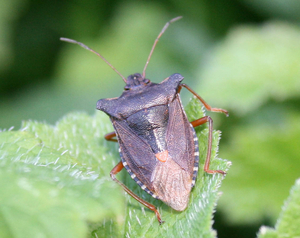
(241, 55)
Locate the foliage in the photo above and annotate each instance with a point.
(288, 223)
(55, 183)
(255, 75)
(243, 55)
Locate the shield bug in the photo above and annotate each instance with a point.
(158, 145)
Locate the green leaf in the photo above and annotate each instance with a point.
(54, 182)
(253, 65)
(265, 158)
(254, 74)
(289, 219)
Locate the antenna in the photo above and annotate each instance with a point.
(156, 40)
(87, 48)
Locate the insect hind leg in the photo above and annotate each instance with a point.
(110, 136)
(205, 104)
(113, 174)
(199, 122)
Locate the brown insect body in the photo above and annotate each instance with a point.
(158, 145)
(149, 119)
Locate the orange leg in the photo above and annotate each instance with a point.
(203, 120)
(117, 169)
(110, 137)
(113, 173)
(199, 122)
(209, 108)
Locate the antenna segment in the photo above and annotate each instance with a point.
(156, 40)
(87, 48)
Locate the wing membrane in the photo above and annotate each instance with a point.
(135, 152)
(180, 136)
